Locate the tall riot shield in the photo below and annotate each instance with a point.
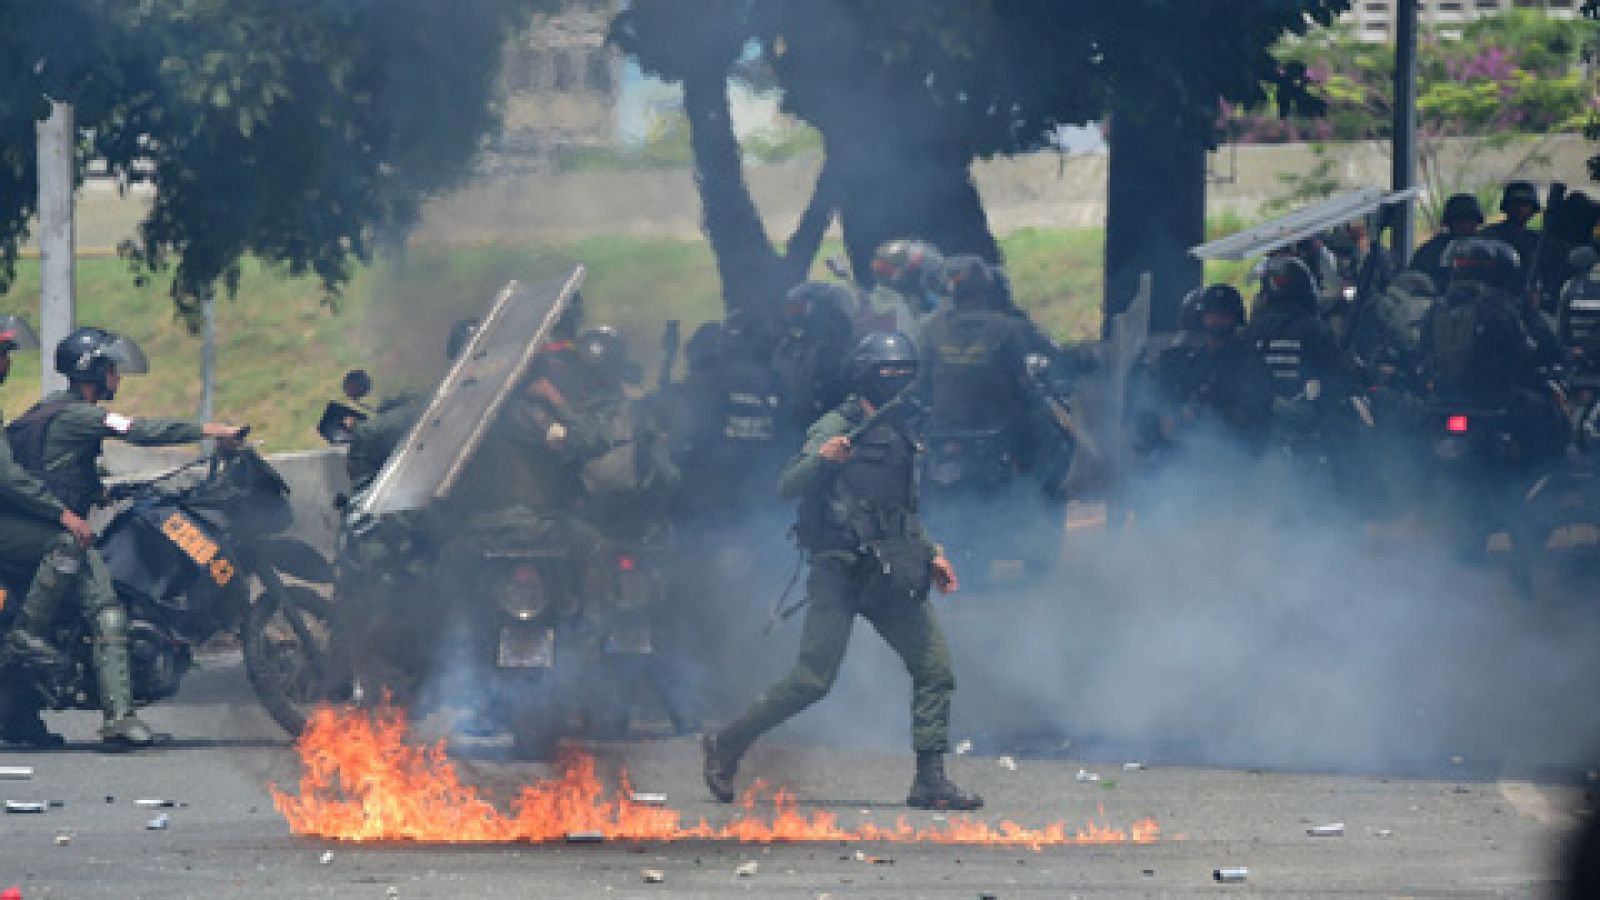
(427, 463)
(1104, 402)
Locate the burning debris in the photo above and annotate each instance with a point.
(362, 782)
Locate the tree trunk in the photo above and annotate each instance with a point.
(1155, 211)
(746, 262)
(892, 189)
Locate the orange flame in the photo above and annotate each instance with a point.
(363, 782)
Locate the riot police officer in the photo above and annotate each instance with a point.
(32, 523)
(1519, 201)
(869, 557)
(1218, 381)
(1298, 347)
(809, 358)
(372, 440)
(907, 283)
(1461, 218)
(973, 354)
(59, 441)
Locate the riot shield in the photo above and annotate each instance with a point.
(427, 463)
(1105, 399)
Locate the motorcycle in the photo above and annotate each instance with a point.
(1555, 533)
(191, 560)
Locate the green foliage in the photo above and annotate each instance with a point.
(1520, 71)
(292, 131)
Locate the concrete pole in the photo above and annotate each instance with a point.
(57, 297)
(1405, 124)
(208, 359)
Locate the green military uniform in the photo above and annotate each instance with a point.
(866, 507)
(372, 440)
(34, 548)
(70, 458)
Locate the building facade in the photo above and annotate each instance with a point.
(1374, 19)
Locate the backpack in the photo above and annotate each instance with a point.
(1457, 331)
(27, 435)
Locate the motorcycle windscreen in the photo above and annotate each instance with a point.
(447, 434)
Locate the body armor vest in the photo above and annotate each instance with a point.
(78, 485)
(869, 499)
(1284, 353)
(968, 382)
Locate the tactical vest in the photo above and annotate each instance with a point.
(968, 381)
(78, 485)
(1580, 319)
(748, 418)
(868, 500)
(1283, 353)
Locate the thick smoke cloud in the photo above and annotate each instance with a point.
(1245, 619)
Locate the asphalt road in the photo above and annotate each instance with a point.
(1466, 836)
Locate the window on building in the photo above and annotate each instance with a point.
(598, 78)
(566, 74)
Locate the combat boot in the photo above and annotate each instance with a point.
(122, 727)
(25, 645)
(722, 763)
(931, 789)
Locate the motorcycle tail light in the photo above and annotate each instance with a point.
(525, 575)
(1456, 424)
(625, 563)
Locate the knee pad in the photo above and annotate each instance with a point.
(65, 558)
(111, 625)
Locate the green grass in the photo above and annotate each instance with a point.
(282, 348)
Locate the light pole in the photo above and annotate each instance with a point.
(1405, 124)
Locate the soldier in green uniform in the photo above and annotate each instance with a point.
(32, 523)
(871, 558)
(374, 439)
(59, 441)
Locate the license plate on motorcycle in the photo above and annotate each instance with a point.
(526, 648)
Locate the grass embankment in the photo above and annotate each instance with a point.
(281, 348)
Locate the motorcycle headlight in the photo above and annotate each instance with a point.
(522, 594)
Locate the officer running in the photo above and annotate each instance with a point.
(59, 441)
(869, 557)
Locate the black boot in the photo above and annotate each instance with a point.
(932, 790)
(722, 763)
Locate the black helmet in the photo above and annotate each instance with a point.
(16, 335)
(914, 268)
(882, 365)
(1287, 280)
(1483, 260)
(461, 334)
(811, 301)
(1519, 192)
(704, 348)
(1212, 298)
(87, 355)
(1461, 206)
(971, 281)
(566, 327)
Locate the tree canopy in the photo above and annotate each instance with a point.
(293, 130)
(906, 95)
